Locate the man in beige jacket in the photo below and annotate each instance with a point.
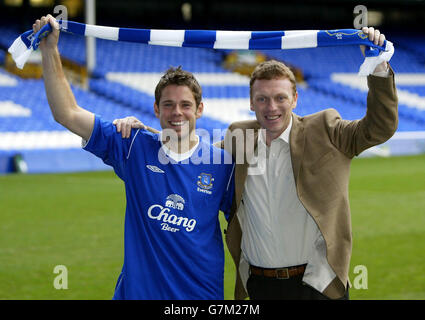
(290, 234)
(290, 228)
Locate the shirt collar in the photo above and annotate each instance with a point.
(178, 157)
(284, 136)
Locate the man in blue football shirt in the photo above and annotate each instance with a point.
(174, 189)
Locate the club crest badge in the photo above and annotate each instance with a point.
(340, 33)
(205, 183)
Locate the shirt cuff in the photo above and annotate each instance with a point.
(383, 73)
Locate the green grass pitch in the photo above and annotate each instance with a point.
(77, 220)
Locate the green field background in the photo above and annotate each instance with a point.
(77, 220)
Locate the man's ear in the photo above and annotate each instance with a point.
(156, 109)
(199, 110)
(251, 105)
(294, 104)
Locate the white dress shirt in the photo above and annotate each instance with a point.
(277, 230)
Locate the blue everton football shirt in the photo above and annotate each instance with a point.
(173, 243)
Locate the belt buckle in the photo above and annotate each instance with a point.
(282, 277)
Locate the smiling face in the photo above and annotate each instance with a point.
(273, 101)
(177, 110)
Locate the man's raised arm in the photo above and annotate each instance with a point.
(59, 95)
(381, 119)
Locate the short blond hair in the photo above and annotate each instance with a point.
(272, 69)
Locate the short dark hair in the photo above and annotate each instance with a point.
(179, 77)
(272, 69)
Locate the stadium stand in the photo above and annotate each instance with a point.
(123, 84)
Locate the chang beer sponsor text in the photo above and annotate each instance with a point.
(171, 220)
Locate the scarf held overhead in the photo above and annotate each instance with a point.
(28, 42)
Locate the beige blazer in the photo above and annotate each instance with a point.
(322, 146)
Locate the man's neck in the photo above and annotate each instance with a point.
(270, 136)
(181, 146)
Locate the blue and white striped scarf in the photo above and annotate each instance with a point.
(26, 43)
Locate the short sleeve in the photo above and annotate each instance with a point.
(108, 145)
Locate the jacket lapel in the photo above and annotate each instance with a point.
(296, 144)
(240, 177)
(241, 169)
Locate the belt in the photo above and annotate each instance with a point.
(278, 273)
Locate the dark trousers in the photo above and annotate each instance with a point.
(264, 288)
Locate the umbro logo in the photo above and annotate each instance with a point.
(154, 168)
